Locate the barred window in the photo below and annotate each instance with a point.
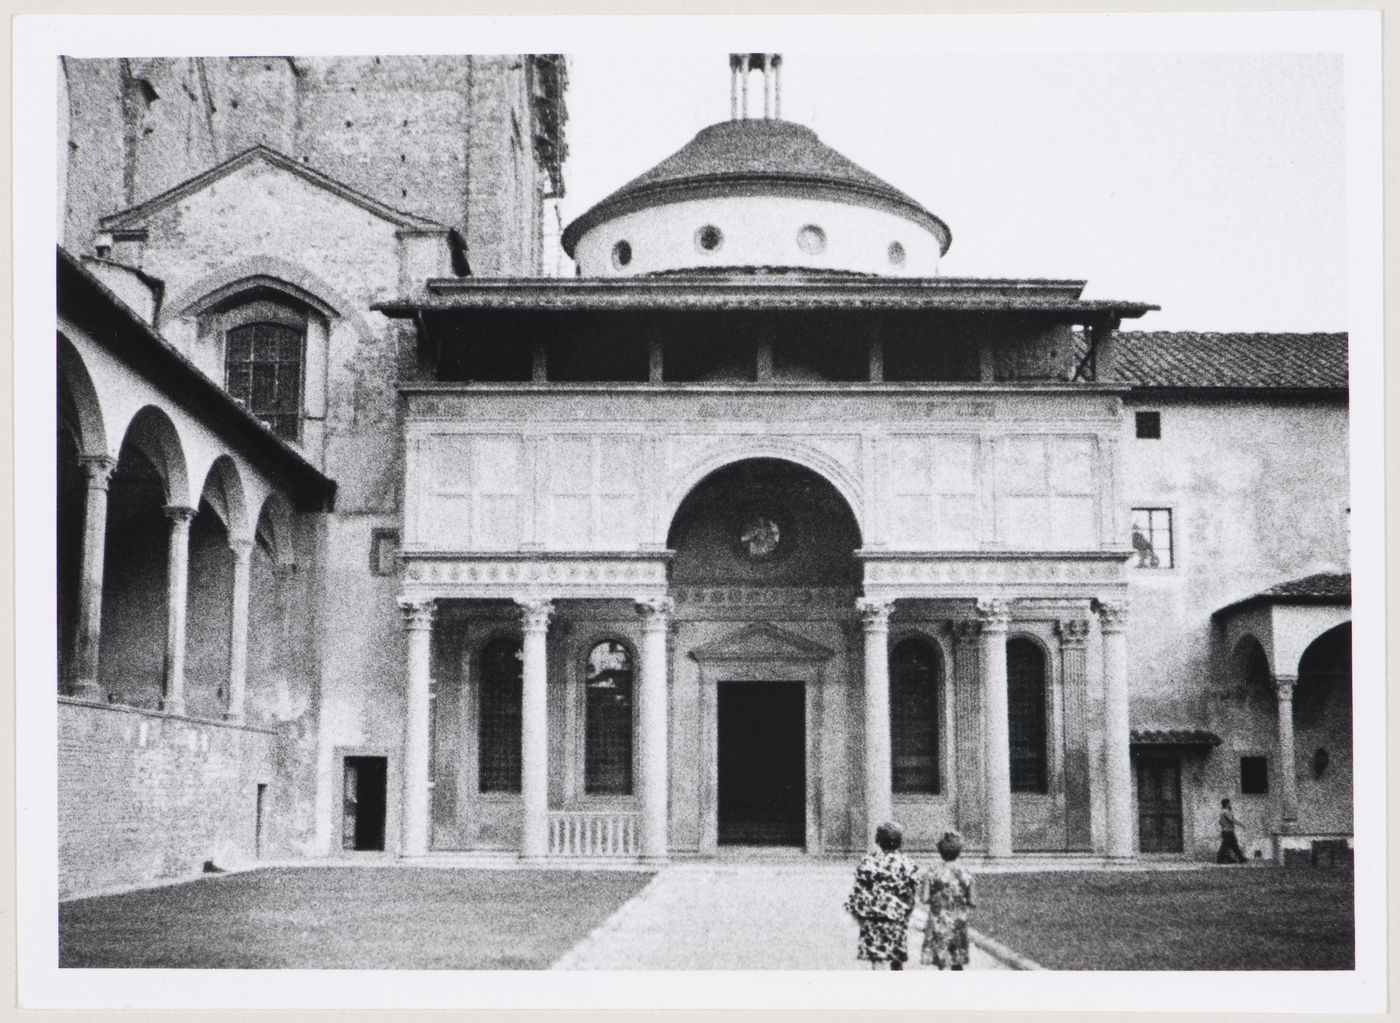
(607, 754)
(1152, 537)
(263, 367)
(1025, 685)
(498, 746)
(916, 677)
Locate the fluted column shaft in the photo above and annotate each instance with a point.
(418, 616)
(176, 595)
(1074, 633)
(238, 629)
(534, 728)
(1118, 781)
(652, 719)
(995, 620)
(1287, 758)
(875, 617)
(87, 650)
(968, 728)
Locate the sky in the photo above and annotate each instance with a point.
(1212, 185)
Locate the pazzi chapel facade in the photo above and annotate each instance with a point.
(374, 540)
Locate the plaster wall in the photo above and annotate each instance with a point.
(1258, 493)
(760, 230)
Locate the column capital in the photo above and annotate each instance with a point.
(1073, 632)
(655, 611)
(179, 514)
(966, 632)
(535, 612)
(993, 615)
(1113, 614)
(875, 612)
(418, 612)
(1283, 686)
(99, 470)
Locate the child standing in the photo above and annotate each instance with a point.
(946, 889)
(883, 899)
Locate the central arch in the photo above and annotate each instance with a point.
(765, 575)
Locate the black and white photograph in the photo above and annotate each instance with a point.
(572, 497)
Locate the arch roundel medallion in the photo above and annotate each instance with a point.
(760, 535)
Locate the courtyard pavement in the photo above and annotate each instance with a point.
(735, 916)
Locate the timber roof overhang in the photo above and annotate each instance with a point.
(88, 303)
(1054, 299)
(1331, 589)
(1196, 740)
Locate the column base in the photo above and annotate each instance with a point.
(654, 860)
(85, 689)
(173, 706)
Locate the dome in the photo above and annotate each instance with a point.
(783, 197)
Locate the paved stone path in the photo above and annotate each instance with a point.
(734, 917)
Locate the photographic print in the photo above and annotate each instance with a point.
(823, 508)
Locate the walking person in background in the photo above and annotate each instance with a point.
(946, 890)
(883, 899)
(1230, 851)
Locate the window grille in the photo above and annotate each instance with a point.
(498, 746)
(263, 368)
(1152, 538)
(1025, 683)
(607, 756)
(915, 685)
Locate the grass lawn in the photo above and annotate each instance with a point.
(1244, 918)
(346, 918)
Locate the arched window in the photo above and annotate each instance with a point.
(916, 682)
(262, 363)
(607, 748)
(498, 727)
(1025, 683)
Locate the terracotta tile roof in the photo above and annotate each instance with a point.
(1322, 588)
(1174, 737)
(1205, 360)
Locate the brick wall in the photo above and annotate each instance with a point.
(143, 796)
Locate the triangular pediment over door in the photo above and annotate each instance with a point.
(762, 642)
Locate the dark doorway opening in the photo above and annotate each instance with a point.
(366, 789)
(1159, 804)
(260, 821)
(762, 763)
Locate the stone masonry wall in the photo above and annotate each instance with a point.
(144, 796)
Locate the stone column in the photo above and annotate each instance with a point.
(1287, 762)
(995, 620)
(652, 719)
(534, 729)
(84, 683)
(176, 589)
(418, 613)
(875, 616)
(967, 727)
(1118, 779)
(1074, 634)
(238, 630)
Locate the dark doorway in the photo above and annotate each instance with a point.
(1159, 804)
(366, 787)
(762, 763)
(260, 821)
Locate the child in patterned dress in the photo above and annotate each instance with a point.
(883, 899)
(946, 889)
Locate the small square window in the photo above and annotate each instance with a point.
(1152, 538)
(1254, 776)
(384, 551)
(1149, 425)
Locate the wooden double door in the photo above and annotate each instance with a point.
(762, 763)
(1159, 804)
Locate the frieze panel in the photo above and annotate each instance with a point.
(572, 577)
(765, 596)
